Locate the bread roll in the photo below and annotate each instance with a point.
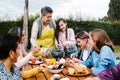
(71, 71)
(80, 67)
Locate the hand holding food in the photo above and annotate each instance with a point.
(72, 56)
(42, 67)
(65, 43)
(76, 60)
(35, 50)
(69, 62)
(60, 46)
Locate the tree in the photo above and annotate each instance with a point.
(114, 10)
(25, 23)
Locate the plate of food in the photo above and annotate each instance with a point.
(55, 68)
(77, 70)
(35, 62)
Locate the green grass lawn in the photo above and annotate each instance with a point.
(117, 48)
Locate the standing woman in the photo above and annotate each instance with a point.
(24, 57)
(65, 38)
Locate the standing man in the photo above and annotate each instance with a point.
(42, 33)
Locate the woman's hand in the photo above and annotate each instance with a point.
(76, 60)
(72, 55)
(64, 43)
(35, 50)
(69, 62)
(42, 67)
(60, 46)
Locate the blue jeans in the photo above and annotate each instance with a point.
(68, 52)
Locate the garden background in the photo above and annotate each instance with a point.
(112, 28)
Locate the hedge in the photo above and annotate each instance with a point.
(112, 28)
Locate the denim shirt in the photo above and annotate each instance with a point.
(101, 61)
(5, 75)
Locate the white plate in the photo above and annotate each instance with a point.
(37, 62)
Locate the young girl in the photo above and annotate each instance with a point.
(102, 57)
(65, 38)
(24, 57)
(82, 39)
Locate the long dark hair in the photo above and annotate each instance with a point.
(8, 42)
(58, 29)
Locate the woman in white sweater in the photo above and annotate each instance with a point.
(24, 57)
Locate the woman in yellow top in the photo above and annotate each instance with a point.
(43, 30)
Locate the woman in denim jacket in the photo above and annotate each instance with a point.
(102, 57)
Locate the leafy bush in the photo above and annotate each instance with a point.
(112, 28)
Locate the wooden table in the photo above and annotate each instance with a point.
(46, 75)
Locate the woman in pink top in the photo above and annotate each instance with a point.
(65, 37)
(24, 57)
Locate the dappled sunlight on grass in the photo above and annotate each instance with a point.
(117, 48)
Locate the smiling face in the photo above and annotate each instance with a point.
(82, 42)
(62, 26)
(46, 18)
